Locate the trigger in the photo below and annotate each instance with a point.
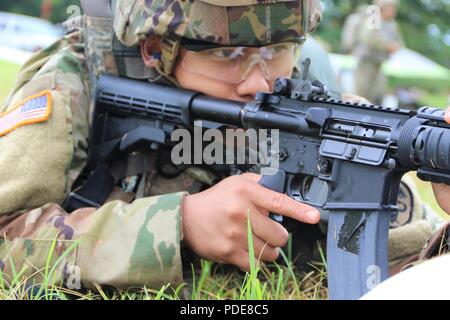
(275, 182)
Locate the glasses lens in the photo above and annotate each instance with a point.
(233, 64)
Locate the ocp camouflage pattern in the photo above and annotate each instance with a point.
(228, 22)
(120, 244)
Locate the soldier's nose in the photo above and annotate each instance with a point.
(253, 83)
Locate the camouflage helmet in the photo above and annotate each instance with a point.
(225, 22)
(222, 22)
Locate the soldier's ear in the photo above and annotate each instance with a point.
(151, 51)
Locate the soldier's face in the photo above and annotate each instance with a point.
(229, 74)
(255, 80)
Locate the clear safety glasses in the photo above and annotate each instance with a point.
(234, 64)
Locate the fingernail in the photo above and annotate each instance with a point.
(313, 215)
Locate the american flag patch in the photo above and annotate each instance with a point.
(32, 110)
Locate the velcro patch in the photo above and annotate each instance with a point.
(34, 109)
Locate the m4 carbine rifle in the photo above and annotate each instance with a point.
(360, 151)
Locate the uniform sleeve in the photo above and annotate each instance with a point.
(122, 245)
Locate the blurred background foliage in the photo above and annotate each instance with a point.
(424, 23)
(59, 8)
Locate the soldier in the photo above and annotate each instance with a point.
(377, 40)
(139, 243)
(352, 27)
(140, 236)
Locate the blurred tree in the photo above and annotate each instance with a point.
(33, 8)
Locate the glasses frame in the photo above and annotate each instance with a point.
(199, 45)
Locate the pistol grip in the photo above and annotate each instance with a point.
(275, 182)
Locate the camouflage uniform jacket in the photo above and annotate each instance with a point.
(120, 244)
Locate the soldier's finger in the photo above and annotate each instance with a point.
(281, 204)
(264, 251)
(241, 260)
(268, 230)
(272, 201)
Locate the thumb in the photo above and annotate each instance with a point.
(447, 116)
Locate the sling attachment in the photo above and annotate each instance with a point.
(196, 187)
(93, 193)
(95, 189)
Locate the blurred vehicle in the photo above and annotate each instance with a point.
(26, 33)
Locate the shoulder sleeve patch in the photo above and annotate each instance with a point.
(34, 109)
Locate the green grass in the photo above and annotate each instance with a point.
(263, 282)
(8, 73)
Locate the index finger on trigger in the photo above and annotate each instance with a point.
(282, 204)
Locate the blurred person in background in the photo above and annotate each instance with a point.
(377, 39)
(352, 28)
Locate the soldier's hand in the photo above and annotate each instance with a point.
(215, 220)
(349, 97)
(442, 191)
(447, 115)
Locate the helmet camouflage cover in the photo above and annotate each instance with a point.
(224, 22)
